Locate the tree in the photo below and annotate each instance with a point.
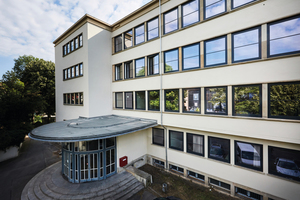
(21, 63)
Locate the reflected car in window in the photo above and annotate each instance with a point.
(287, 167)
(217, 151)
(247, 154)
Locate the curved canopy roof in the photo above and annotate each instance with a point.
(84, 129)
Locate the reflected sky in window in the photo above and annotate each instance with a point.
(152, 29)
(215, 52)
(191, 57)
(139, 34)
(170, 21)
(190, 13)
(171, 60)
(237, 3)
(214, 7)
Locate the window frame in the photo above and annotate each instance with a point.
(163, 134)
(129, 69)
(192, 152)
(148, 65)
(176, 49)
(67, 99)
(115, 43)
(134, 29)
(147, 35)
(66, 51)
(149, 100)
(71, 72)
(204, 10)
(205, 100)
(172, 147)
(142, 58)
(116, 100)
(226, 52)
(120, 74)
(125, 98)
(199, 56)
(232, 8)
(190, 1)
(164, 24)
(198, 100)
(165, 91)
(131, 39)
(214, 158)
(136, 100)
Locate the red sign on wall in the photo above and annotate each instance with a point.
(123, 161)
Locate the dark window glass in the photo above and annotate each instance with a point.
(80, 40)
(119, 100)
(65, 50)
(158, 136)
(249, 194)
(196, 175)
(176, 140)
(68, 48)
(158, 163)
(76, 98)
(172, 100)
(190, 13)
(140, 101)
(176, 168)
(140, 67)
(153, 100)
(195, 144)
(118, 71)
(238, 3)
(219, 149)
(72, 98)
(284, 100)
(171, 60)
(76, 42)
(191, 100)
(152, 28)
(128, 100)
(284, 37)
(214, 7)
(72, 45)
(216, 100)
(219, 183)
(65, 98)
(215, 52)
(128, 72)
(284, 162)
(247, 100)
(65, 74)
(153, 64)
(69, 73)
(246, 45)
(139, 34)
(191, 56)
(69, 98)
(249, 155)
(171, 21)
(110, 142)
(118, 43)
(128, 39)
(92, 145)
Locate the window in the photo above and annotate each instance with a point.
(65, 74)
(128, 39)
(284, 100)
(191, 56)
(246, 100)
(284, 37)
(153, 100)
(81, 98)
(219, 149)
(73, 98)
(152, 29)
(118, 71)
(80, 69)
(171, 21)
(140, 67)
(248, 194)
(238, 3)
(110, 142)
(158, 163)
(191, 100)
(153, 64)
(65, 50)
(195, 144)
(118, 43)
(215, 52)
(196, 175)
(128, 100)
(72, 45)
(140, 100)
(76, 70)
(176, 168)
(190, 13)
(68, 48)
(284, 162)
(65, 98)
(219, 183)
(248, 155)
(176, 140)
(73, 72)
(246, 45)
(171, 60)
(139, 34)
(128, 70)
(68, 98)
(76, 42)
(119, 99)
(80, 40)
(172, 100)
(158, 136)
(214, 7)
(216, 100)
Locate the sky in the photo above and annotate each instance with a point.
(29, 27)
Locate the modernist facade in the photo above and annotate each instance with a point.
(220, 77)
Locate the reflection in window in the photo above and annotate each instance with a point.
(247, 100)
(118, 71)
(140, 67)
(215, 100)
(219, 149)
(119, 99)
(80, 40)
(153, 64)
(128, 100)
(248, 155)
(110, 142)
(246, 45)
(140, 100)
(158, 136)
(195, 144)
(172, 100)
(215, 51)
(171, 60)
(284, 37)
(171, 21)
(284, 100)
(176, 140)
(139, 34)
(214, 7)
(191, 56)
(128, 39)
(238, 3)
(152, 28)
(153, 100)
(73, 98)
(128, 72)
(118, 43)
(191, 100)
(80, 69)
(190, 13)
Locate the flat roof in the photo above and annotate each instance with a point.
(85, 129)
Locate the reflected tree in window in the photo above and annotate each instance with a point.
(172, 100)
(153, 97)
(216, 100)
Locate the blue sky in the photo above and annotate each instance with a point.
(29, 27)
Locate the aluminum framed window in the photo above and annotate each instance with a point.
(118, 43)
(171, 61)
(191, 100)
(191, 57)
(152, 29)
(176, 140)
(153, 64)
(190, 13)
(140, 100)
(195, 144)
(128, 100)
(128, 71)
(196, 175)
(214, 7)
(176, 168)
(239, 3)
(119, 99)
(170, 21)
(216, 100)
(172, 100)
(139, 34)
(128, 39)
(158, 136)
(73, 72)
(140, 67)
(215, 52)
(153, 100)
(118, 72)
(219, 149)
(73, 98)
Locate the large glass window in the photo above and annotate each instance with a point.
(140, 100)
(128, 39)
(153, 64)
(128, 100)
(214, 7)
(246, 45)
(119, 99)
(118, 43)
(152, 29)
(128, 71)
(190, 13)
(158, 136)
(216, 100)
(172, 100)
(191, 100)
(118, 71)
(153, 100)
(171, 21)
(215, 51)
(139, 34)
(284, 100)
(219, 149)
(73, 98)
(249, 155)
(176, 140)
(284, 162)
(140, 67)
(171, 60)
(191, 56)
(284, 37)
(247, 100)
(238, 3)
(195, 144)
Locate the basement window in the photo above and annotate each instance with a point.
(248, 194)
(176, 168)
(219, 183)
(196, 175)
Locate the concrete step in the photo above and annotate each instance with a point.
(128, 191)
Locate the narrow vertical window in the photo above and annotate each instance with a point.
(219, 149)
(65, 74)
(128, 71)
(191, 56)
(76, 98)
(76, 42)
(128, 39)
(128, 100)
(191, 100)
(171, 60)
(139, 34)
(216, 100)
(69, 73)
(72, 98)
(68, 48)
(195, 144)
(77, 71)
(73, 72)
(238, 3)
(152, 29)
(176, 140)
(158, 136)
(80, 40)
(140, 67)
(140, 100)
(119, 99)
(118, 71)
(81, 98)
(72, 45)
(65, 98)
(153, 100)
(215, 52)
(118, 43)
(153, 64)
(171, 21)
(172, 100)
(190, 13)
(80, 69)
(68, 98)
(65, 50)
(214, 7)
